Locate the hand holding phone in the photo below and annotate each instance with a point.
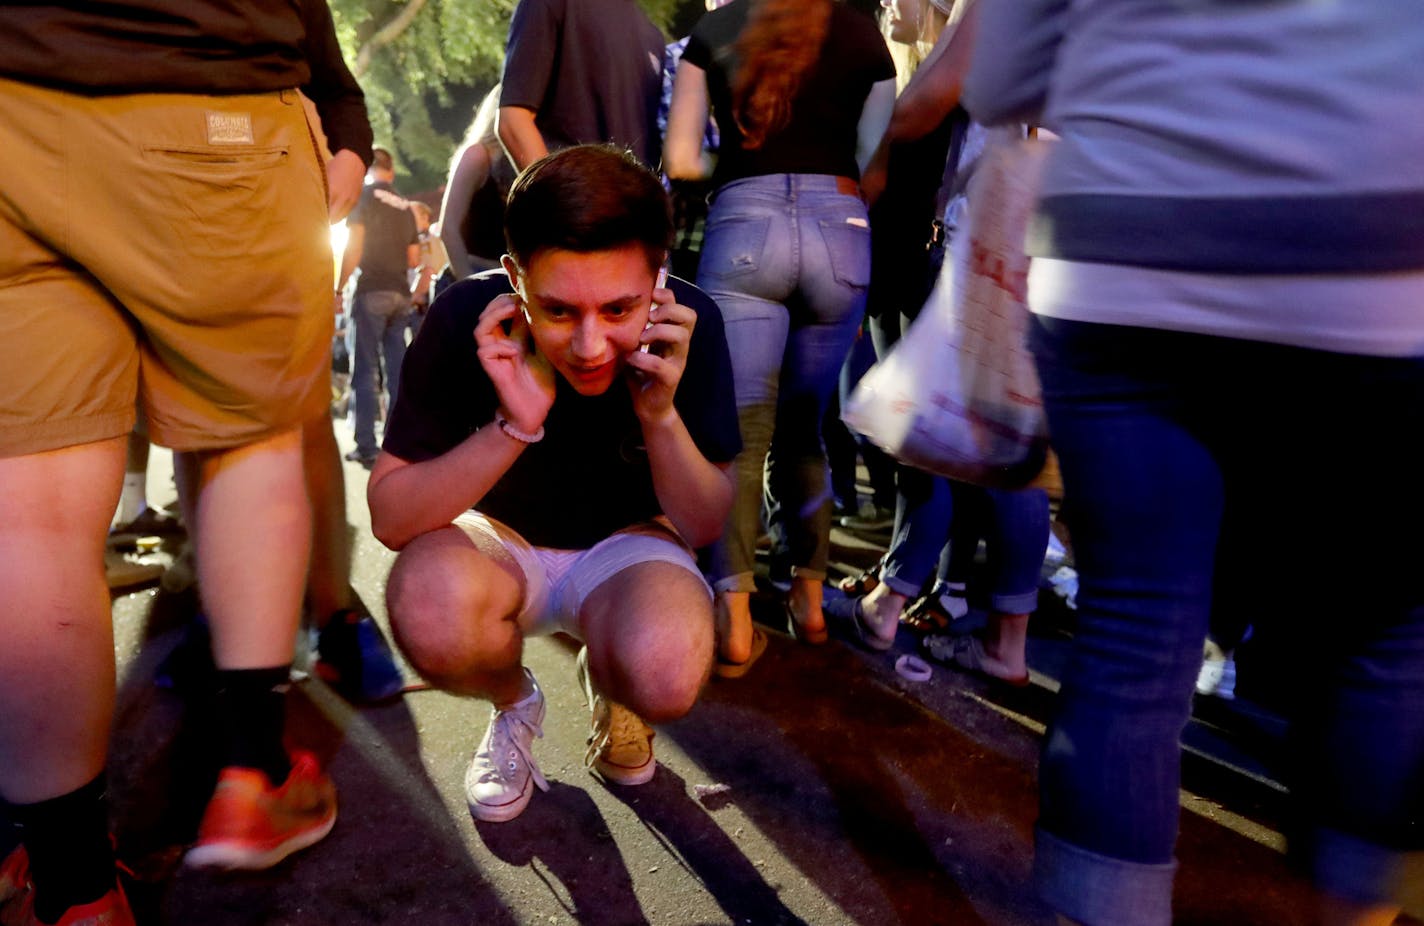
(659, 284)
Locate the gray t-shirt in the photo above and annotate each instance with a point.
(591, 70)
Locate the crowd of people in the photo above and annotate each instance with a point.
(1227, 284)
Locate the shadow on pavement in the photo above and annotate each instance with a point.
(893, 813)
(692, 837)
(563, 832)
(395, 845)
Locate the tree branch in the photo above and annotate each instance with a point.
(385, 36)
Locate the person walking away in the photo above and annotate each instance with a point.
(384, 245)
(801, 90)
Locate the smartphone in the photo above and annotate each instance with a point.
(661, 283)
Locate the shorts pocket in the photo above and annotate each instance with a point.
(221, 203)
(848, 247)
(733, 247)
(220, 158)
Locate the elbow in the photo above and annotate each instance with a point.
(389, 535)
(704, 534)
(712, 520)
(386, 526)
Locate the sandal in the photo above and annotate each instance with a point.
(863, 584)
(803, 633)
(966, 653)
(925, 616)
(725, 668)
(848, 615)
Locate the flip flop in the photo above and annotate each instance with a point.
(966, 653)
(848, 616)
(724, 668)
(803, 634)
(925, 616)
(862, 584)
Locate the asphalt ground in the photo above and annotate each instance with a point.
(821, 788)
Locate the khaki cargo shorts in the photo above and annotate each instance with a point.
(164, 250)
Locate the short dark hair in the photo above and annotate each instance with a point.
(381, 158)
(587, 198)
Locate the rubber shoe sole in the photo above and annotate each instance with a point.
(251, 826)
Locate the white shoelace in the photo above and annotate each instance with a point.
(511, 740)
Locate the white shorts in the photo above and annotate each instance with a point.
(558, 582)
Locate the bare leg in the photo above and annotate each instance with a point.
(1333, 911)
(882, 607)
(57, 661)
(453, 607)
(253, 526)
(734, 625)
(649, 636)
(329, 580)
(134, 499)
(805, 601)
(1005, 642)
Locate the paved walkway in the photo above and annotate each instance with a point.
(820, 789)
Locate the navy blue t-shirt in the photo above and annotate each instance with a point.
(590, 475)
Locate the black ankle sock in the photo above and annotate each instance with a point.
(252, 708)
(71, 857)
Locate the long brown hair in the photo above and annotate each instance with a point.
(778, 46)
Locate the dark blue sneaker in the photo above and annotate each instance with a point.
(353, 657)
(188, 668)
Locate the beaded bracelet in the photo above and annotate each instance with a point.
(524, 437)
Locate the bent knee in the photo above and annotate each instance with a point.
(662, 689)
(445, 622)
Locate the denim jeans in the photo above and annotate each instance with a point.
(1160, 436)
(380, 320)
(843, 442)
(787, 257)
(938, 523)
(938, 526)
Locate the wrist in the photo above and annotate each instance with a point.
(523, 435)
(658, 421)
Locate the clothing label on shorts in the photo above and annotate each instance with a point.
(229, 129)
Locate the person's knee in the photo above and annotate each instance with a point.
(660, 679)
(436, 617)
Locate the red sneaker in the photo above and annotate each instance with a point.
(250, 825)
(17, 897)
(14, 874)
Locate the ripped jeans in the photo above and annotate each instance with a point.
(787, 257)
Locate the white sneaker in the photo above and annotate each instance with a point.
(620, 745)
(1218, 673)
(502, 775)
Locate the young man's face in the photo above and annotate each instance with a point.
(586, 310)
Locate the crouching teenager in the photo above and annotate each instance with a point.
(561, 441)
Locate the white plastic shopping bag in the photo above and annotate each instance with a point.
(959, 395)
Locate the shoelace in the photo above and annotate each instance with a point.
(512, 736)
(613, 728)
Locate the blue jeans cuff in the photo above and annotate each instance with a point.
(1353, 869)
(900, 586)
(1095, 890)
(1021, 603)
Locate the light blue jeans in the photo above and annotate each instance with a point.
(379, 321)
(787, 257)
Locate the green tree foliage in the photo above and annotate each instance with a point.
(409, 55)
